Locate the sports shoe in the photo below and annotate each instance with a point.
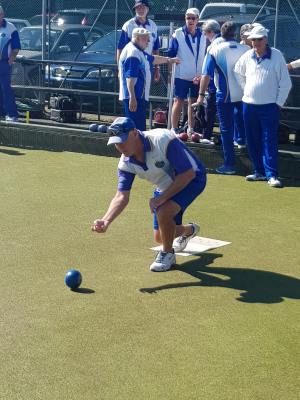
(176, 131)
(163, 262)
(256, 177)
(274, 182)
(225, 170)
(180, 243)
(11, 119)
(239, 145)
(206, 141)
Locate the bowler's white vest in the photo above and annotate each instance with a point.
(159, 171)
(190, 64)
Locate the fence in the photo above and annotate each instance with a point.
(281, 17)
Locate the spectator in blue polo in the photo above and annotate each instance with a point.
(219, 63)
(135, 71)
(189, 45)
(9, 48)
(264, 77)
(141, 20)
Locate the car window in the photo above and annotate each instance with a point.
(106, 44)
(91, 37)
(71, 41)
(31, 39)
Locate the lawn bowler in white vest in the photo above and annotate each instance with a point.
(189, 45)
(161, 158)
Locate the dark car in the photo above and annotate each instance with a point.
(102, 76)
(63, 42)
(104, 19)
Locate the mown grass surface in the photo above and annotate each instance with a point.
(221, 326)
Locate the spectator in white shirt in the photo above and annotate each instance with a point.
(264, 77)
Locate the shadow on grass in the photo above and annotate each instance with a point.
(83, 290)
(256, 286)
(12, 152)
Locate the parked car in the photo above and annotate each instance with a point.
(87, 16)
(211, 10)
(38, 19)
(63, 42)
(102, 77)
(18, 23)
(105, 77)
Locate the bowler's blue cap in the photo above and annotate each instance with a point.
(119, 130)
(141, 2)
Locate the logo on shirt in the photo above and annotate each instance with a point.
(159, 164)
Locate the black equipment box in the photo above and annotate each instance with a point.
(63, 109)
(63, 115)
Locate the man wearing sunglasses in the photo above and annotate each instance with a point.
(264, 77)
(189, 45)
(159, 157)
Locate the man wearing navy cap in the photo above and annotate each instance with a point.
(9, 48)
(161, 158)
(141, 20)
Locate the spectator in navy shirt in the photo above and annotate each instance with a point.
(135, 66)
(9, 48)
(141, 20)
(161, 158)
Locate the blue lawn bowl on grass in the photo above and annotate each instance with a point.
(73, 279)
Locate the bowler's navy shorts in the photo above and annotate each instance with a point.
(184, 88)
(183, 198)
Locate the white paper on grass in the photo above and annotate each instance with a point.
(198, 245)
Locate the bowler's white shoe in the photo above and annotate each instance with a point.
(163, 262)
(180, 243)
(274, 182)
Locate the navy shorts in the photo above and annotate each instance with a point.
(184, 88)
(183, 198)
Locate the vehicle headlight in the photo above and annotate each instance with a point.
(60, 72)
(105, 73)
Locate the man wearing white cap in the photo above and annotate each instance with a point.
(9, 48)
(264, 77)
(135, 66)
(189, 45)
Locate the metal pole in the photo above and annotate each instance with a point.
(44, 22)
(171, 95)
(116, 26)
(276, 23)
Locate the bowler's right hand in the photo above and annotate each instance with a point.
(100, 225)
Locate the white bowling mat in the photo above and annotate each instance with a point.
(198, 245)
